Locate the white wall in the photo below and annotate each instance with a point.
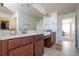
(55, 24)
(59, 28)
(53, 21)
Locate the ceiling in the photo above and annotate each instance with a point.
(24, 8)
(61, 8)
(5, 10)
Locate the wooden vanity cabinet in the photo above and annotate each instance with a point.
(39, 48)
(4, 47)
(19, 42)
(39, 45)
(0, 48)
(21, 46)
(47, 41)
(53, 37)
(26, 50)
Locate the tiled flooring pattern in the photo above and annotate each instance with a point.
(68, 49)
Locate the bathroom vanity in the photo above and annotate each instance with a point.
(0, 48)
(22, 45)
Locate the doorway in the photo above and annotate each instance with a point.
(68, 29)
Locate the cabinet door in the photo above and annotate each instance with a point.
(47, 42)
(0, 48)
(4, 47)
(22, 51)
(13, 43)
(39, 47)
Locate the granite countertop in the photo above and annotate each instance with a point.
(47, 33)
(18, 35)
(29, 33)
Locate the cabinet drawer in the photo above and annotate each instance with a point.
(17, 42)
(0, 48)
(39, 47)
(4, 47)
(22, 51)
(38, 37)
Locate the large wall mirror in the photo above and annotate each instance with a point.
(7, 24)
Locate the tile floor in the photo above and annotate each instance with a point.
(68, 49)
